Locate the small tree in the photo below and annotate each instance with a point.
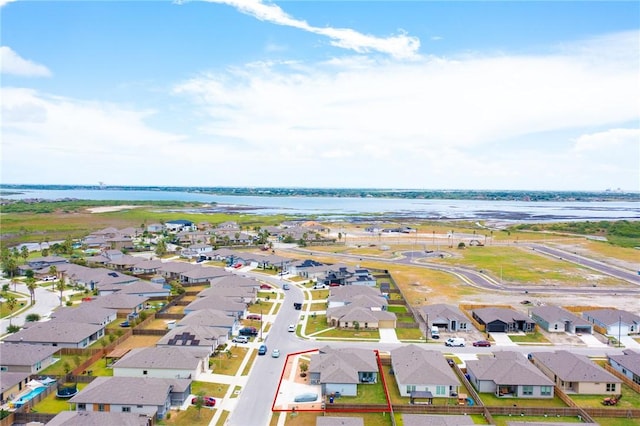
(356, 325)
(199, 402)
(303, 369)
(31, 285)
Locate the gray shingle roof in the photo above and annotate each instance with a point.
(54, 332)
(339, 421)
(416, 366)
(572, 367)
(435, 420)
(128, 390)
(629, 360)
(552, 313)
(98, 418)
(440, 312)
(24, 354)
(508, 368)
(613, 316)
(505, 315)
(162, 357)
(342, 365)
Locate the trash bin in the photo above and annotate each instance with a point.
(330, 400)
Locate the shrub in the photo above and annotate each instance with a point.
(33, 318)
(13, 328)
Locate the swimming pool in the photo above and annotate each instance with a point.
(28, 397)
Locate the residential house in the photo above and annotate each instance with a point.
(509, 374)
(555, 319)
(202, 274)
(145, 289)
(25, 358)
(628, 364)
(575, 373)
(61, 334)
(616, 321)
(211, 318)
(174, 270)
(337, 275)
(180, 225)
(195, 337)
(421, 371)
(142, 395)
(219, 303)
(367, 296)
(11, 384)
(361, 277)
(358, 317)
(155, 228)
(237, 294)
(126, 304)
(446, 317)
(503, 320)
(308, 268)
(340, 371)
(167, 362)
(125, 263)
(147, 267)
(99, 418)
(85, 313)
(46, 262)
(195, 250)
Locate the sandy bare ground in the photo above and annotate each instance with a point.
(110, 209)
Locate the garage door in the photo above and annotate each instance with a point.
(496, 327)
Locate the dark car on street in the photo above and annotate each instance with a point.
(482, 343)
(262, 350)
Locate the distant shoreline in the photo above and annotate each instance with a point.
(415, 194)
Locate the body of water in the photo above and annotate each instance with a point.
(339, 207)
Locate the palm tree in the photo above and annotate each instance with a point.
(11, 304)
(24, 253)
(60, 287)
(31, 285)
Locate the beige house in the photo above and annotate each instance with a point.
(576, 373)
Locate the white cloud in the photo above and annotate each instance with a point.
(12, 63)
(419, 121)
(607, 140)
(399, 46)
(5, 2)
(78, 141)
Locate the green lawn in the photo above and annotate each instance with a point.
(397, 309)
(502, 420)
(53, 405)
(217, 390)
(189, 417)
(223, 363)
(630, 399)
(319, 294)
(318, 323)
(536, 337)
(491, 400)
(367, 394)
(59, 366)
(409, 334)
(249, 364)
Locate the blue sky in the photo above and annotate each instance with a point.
(420, 94)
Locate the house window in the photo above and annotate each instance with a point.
(555, 326)
(611, 387)
(441, 390)
(462, 326)
(545, 390)
(126, 409)
(82, 407)
(144, 372)
(527, 390)
(410, 388)
(346, 325)
(4, 368)
(138, 406)
(100, 407)
(366, 325)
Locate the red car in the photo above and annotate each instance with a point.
(254, 317)
(482, 343)
(207, 401)
(265, 287)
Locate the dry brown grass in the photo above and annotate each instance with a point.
(139, 342)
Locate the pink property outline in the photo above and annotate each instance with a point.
(380, 372)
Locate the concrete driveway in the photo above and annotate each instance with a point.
(502, 339)
(388, 335)
(591, 341)
(630, 343)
